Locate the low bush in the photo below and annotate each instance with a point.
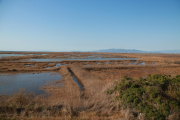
(154, 96)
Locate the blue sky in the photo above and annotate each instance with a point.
(83, 25)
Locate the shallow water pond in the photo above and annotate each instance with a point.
(31, 82)
(9, 55)
(98, 58)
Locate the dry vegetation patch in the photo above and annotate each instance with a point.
(68, 101)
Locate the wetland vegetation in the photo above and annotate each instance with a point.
(157, 96)
(146, 87)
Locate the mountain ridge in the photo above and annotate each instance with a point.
(112, 50)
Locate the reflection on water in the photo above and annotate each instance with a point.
(31, 82)
(98, 58)
(9, 55)
(48, 67)
(106, 62)
(12, 55)
(142, 63)
(29, 65)
(75, 80)
(58, 65)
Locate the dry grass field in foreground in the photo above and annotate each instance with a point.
(96, 77)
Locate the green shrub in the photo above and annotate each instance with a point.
(154, 96)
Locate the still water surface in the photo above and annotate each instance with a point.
(31, 82)
(86, 59)
(9, 55)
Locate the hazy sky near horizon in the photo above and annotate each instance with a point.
(83, 25)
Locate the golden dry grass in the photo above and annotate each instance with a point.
(69, 101)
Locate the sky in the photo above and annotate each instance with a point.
(85, 25)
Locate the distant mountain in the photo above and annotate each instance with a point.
(120, 51)
(169, 51)
(135, 51)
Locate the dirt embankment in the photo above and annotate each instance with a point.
(69, 94)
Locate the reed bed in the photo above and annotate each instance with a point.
(128, 66)
(69, 101)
